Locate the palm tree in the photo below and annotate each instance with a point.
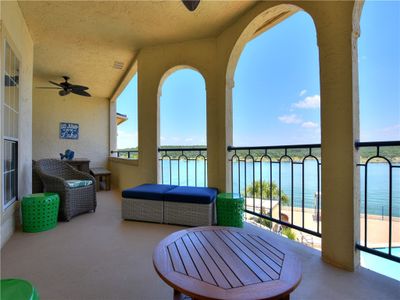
(256, 187)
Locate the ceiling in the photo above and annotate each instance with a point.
(84, 39)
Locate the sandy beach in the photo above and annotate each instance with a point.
(377, 226)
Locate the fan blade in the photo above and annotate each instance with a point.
(78, 87)
(80, 93)
(55, 83)
(48, 88)
(63, 93)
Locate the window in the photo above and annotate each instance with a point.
(10, 126)
(127, 121)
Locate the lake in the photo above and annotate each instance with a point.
(377, 192)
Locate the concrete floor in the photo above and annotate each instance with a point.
(100, 256)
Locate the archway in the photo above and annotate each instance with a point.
(182, 127)
(281, 182)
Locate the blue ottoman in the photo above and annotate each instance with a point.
(144, 202)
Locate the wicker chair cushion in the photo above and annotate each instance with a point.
(188, 194)
(148, 191)
(78, 183)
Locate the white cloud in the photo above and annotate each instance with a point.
(290, 119)
(395, 129)
(381, 134)
(126, 139)
(302, 93)
(309, 124)
(182, 140)
(309, 102)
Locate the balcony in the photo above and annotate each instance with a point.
(101, 256)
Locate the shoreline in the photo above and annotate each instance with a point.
(275, 204)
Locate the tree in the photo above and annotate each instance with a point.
(263, 221)
(289, 233)
(266, 189)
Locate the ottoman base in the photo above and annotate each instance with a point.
(142, 210)
(189, 214)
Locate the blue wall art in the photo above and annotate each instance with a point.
(69, 131)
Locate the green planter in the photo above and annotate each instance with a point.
(230, 209)
(39, 212)
(17, 289)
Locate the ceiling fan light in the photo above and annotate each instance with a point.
(63, 93)
(191, 4)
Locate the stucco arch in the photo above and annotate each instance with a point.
(165, 74)
(170, 70)
(258, 25)
(357, 10)
(265, 16)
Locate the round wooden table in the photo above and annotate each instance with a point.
(225, 263)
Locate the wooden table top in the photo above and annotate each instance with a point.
(225, 263)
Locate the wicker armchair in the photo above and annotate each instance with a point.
(73, 201)
(37, 184)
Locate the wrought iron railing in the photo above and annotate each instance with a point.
(280, 184)
(130, 154)
(380, 166)
(183, 166)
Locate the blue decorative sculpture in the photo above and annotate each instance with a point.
(69, 154)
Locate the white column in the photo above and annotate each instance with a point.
(339, 124)
(113, 125)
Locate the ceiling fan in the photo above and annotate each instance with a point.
(66, 88)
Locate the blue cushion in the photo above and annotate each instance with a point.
(78, 183)
(148, 191)
(189, 194)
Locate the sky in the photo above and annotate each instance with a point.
(379, 71)
(183, 109)
(127, 104)
(276, 97)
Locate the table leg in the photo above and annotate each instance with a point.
(178, 295)
(108, 182)
(97, 183)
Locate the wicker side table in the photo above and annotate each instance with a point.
(230, 209)
(39, 211)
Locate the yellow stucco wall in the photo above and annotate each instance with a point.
(216, 60)
(14, 29)
(92, 115)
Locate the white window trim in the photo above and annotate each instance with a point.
(5, 40)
